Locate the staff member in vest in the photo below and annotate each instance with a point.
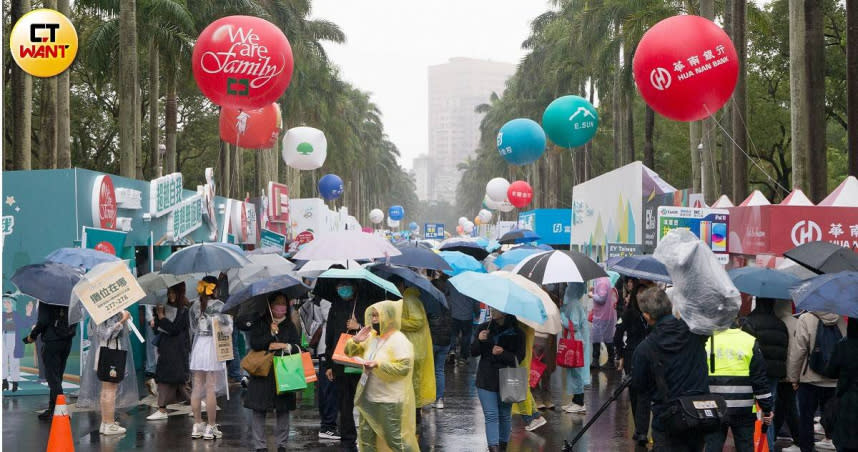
(739, 374)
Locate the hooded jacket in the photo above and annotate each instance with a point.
(772, 336)
(802, 343)
(509, 337)
(416, 328)
(684, 356)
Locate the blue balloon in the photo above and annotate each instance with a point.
(330, 186)
(521, 141)
(396, 213)
(413, 226)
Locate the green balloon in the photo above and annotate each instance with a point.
(570, 121)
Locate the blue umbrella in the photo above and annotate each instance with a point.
(80, 257)
(502, 294)
(513, 257)
(254, 295)
(489, 245)
(433, 299)
(469, 247)
(763, 282)
(203, 258)
(519, 236)
(51, 283)
(370, 288)
(419, 257)
(832, 292)
(642, 267)
(461, 262)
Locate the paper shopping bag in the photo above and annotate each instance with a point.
(309, 370)
(289, 373)
(340, 356)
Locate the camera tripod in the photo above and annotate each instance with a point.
(570, 447)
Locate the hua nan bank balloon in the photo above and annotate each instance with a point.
(304, 148)
(570, 121)
(331, 186)
(396, 213)
(376, 216)
(251, 129)
(242, 61)
(686, 67)
(520, 193)
(521, 141)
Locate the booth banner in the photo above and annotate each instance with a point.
(109, 293)
(165, 193)
(776, 229)
(104, 240)
(503, 227)
(651, 203)
(185, 218)
(271, 238)
(433, 231)
(278, 203)
(608, 207)
(104, 208)
(553, 226)
(710, 225)
(223, 342)
(624, 250)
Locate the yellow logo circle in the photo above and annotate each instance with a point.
(43, 43)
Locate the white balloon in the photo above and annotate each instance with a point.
(485, 216)
(376, 216)
(491, 203)
(496, 189)
(506, 207)
(305, 148)
(468, 227)
(392, 223)
(462, 221)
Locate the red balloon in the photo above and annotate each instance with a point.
(686, 67)
(519, 193)
(243, 62)
(251, 129)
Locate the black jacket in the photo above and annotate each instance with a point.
(844, 367)
(174, 349)
(508, 337)
(684, 356)
(53, 324)
(441, 327)
(771, 334)
(338, 315)
(630, 332)
(262, 391)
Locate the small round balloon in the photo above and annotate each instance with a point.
(485, 216)
(396, 213)
(521, 141)
(686, 67)
(460, 229)
(462, 221)
(251, 129)
(392, 223)
(242, 61)
(468, 227)
(413, 226)
(506, 207)
(304, 148)
(330, 186)
(570, 121)
(477, 220)
(520, 193)
(496, 188)
(376, 216)
(491, 203)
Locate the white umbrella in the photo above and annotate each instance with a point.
(261, 266)
(552, 324)
(156, 284)
(315, 268)
(346, 245)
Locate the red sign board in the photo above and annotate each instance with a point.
(278, 203)
(304, 237)
(775, 229)
(103, 203)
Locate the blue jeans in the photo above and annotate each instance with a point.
(771, 433)
(466, 329)
(440, 352)
(498, 417)
(233, 366)
(151, 351)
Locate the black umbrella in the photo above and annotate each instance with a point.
(824, 257)
(50, 283)
(519, 236)
(433, 299)
(559, 266)
(416, 256)
(254, 297)
(469, 247)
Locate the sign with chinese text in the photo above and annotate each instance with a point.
(109, 292)
(710, 225)
(278, 203)
(433, 231)
(304, 237)
(775, 229)
(104, 207)
(223, 342)
(553, 226)
(8, 224)
(271, 238)
(624, 250)
(185, 218)
(165, 194)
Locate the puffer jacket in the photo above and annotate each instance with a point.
(802, 343)
(772, 336)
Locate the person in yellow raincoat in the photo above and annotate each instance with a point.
(527, 409)
(415, 325)
(384, 397)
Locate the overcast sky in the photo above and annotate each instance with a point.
(391, 43)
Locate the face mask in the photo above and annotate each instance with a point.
(377, 328)
(279, 311)
(345, 292)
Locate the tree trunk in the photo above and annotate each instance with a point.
(694, 142)
(616, 115)
(139, 113)
(236, 173)
(799, 102)
(817, 156)
(852, 83)
(48, 124)
(171, 112)
(127, 87)
(709, 178)
(64, 107)
(727, 118)
(266, 168)
(155, 164)
(22, 103)
(649, 132)
(223, 170)
(740, 103)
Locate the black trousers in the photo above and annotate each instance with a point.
(786, 410)
(54, 357)
(346, 387)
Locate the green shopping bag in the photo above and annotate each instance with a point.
(289, 373)
(305, 344)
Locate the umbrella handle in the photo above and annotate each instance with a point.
(136, 331)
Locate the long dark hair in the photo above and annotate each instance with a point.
(179, 290)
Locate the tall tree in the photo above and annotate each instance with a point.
(48, 115)
(817, 150)
(155, 164)
(708, 175)
(64, 106)
(740, 102)
(22, 108)
(852, 83)
(127, 87)
(799, 101)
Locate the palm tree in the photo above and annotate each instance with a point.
(127, 87)
(740, 101)
(22, 86)
(817, 152)
(799, 100)
(63, 106)
(852, 82)
(48, 116)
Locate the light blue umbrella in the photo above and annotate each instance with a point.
(80, 257)
(763, 282)
(461, 262)
(832, 292)
(369, 286)
(641, 267)
(513, 257)
(502, 294)
(203, 258)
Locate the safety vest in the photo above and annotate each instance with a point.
(734, 350)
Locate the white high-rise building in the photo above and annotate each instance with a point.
(456, 88)
(423, 176)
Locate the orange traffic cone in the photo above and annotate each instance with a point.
(61, 436)
(761, 442)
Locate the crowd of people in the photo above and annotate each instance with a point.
(779, 367)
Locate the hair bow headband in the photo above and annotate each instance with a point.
(206, 288)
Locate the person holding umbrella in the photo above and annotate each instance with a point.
(575, 313)
(174, 348)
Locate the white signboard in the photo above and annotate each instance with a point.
(165, 194)
(108, 293)
(185, 218)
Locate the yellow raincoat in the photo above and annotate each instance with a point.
(526, 407)
(384, 397)
(415, 325)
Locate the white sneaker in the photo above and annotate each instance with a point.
(792, 448)
(439, 404)
(152, 387)
(575, 408)
(825, 444)
(818, 429)
(535, 424)
(198, 430)
(157, 416)
(212, 432)
(111, 429)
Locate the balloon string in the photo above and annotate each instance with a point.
(753, 161)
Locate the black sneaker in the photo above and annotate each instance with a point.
(46, 415)
(244, 382)
(329, 434)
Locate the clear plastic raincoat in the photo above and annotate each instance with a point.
(526, 408)
(385, 397)
(108, 334)
(415, 326)
(575, 311)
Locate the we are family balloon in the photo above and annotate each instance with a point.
(304, 148)
(251, 129)
(520, 193)
(496, 188)
(376, 216)
(242, 61)
(686, 67)
(521, 141)
(570, 121)
(330, 186)
(396, 212)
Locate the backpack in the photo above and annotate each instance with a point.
(827, 336)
